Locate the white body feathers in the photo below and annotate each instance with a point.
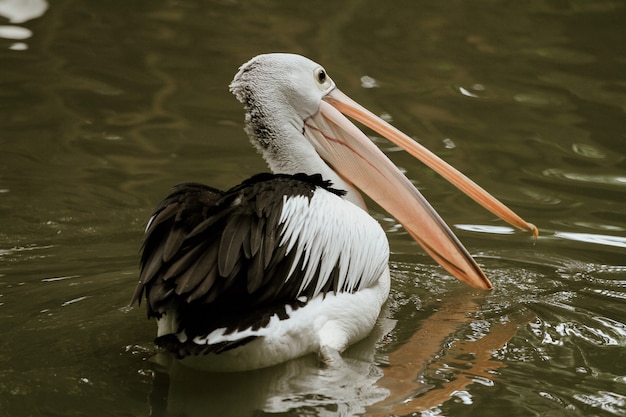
(317, 231)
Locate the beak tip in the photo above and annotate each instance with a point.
(484, 284)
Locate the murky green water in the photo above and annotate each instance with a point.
(106, 104)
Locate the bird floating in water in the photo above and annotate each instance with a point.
(290, 263)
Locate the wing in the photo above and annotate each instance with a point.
(234, 259)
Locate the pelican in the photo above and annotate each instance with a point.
(290, 263)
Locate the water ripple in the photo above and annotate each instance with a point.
(607, 401)
(564, 174)
(480, 228)
(596, 239)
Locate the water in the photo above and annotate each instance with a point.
(105, 105)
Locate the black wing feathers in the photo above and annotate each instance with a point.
(213, 256)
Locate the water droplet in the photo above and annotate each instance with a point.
(369, 82)
(449, 143)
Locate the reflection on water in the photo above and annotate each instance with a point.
(297, 385)
(617, 241)
(367, 383)
(105, 105)
(586, 178)
(500, 230)
(20, 11)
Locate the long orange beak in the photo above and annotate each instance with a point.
(353, 156)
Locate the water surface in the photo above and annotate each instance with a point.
(105, 105)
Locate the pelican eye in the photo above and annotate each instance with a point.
(320, 75)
